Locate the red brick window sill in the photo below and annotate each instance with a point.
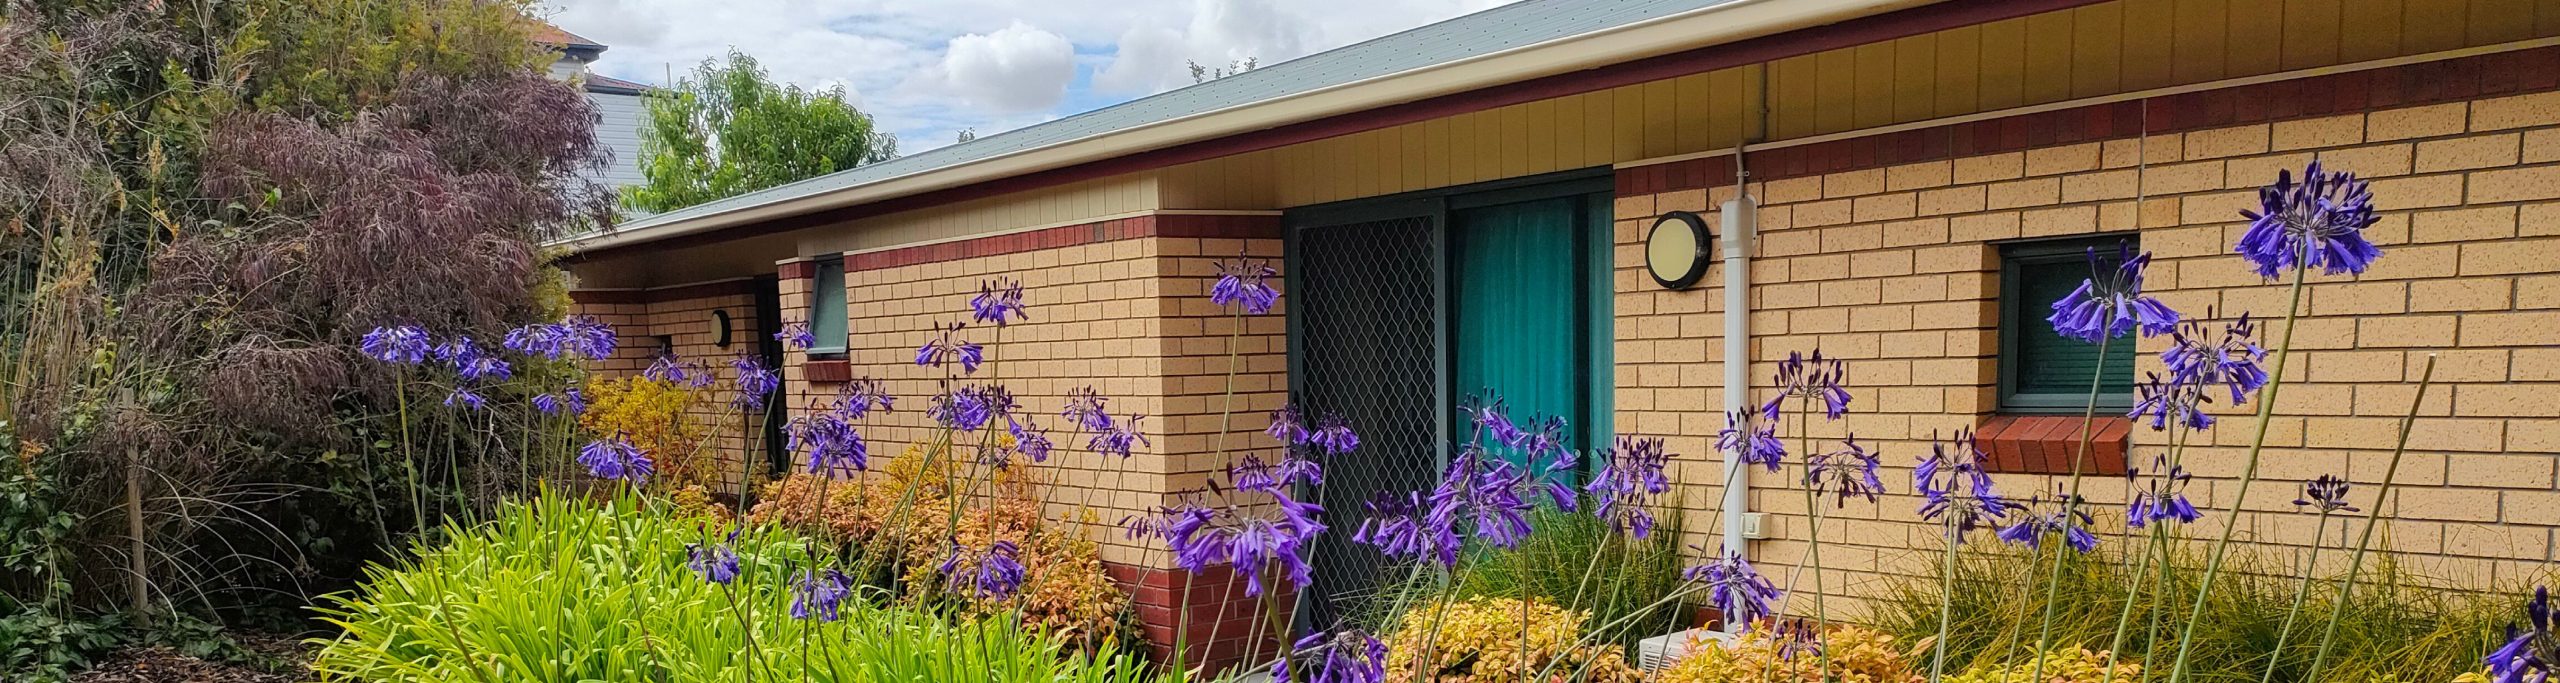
(827, 371)
(2044, 444)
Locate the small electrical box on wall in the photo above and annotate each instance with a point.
(1755, 525)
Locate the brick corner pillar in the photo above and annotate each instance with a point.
(1225, 628)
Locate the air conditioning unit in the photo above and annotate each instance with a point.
(1658, 653)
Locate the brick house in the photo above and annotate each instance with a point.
(1469, 204)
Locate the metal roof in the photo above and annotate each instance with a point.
(1495, 30)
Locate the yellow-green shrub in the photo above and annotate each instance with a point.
(1857, 654)
(1500, 639)
(2065, 664)
(654, 417)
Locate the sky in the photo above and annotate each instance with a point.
(927, 69)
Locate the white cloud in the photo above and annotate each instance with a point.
(928, 68)
(1019, 68)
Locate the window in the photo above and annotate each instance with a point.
(827, 309)
(2042, 372)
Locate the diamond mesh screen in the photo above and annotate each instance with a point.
(1368, 348)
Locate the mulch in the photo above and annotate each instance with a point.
(157, 664)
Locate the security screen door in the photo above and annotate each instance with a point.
(1403, 306)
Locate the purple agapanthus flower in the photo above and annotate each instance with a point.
(1345, 656)
(2065, 519)
(1407, 526)
(473, 364)
(947, 348)
(1252, 474)
(537, 340)
(1029, 439)
(1492, 419)
(971, 408)
(796, 335)
(990, 574)
(2319, 222)
(465, 398)
(819, 595)
(1201, 537)
(1485, 493)
(1796, 638)
(2110, 304)
(1816, 377)
(616, 459)
(1085, 409)
(999, 302)
(2161, 496)
(1733, 587)
(397, 345)
(2522, 658)
(585, 336)
(756, 383)
(1850, 472)
(1752, 439)
(1119, 439)
(714, 563)
(568, 400)
(2326, 493)
(1629, 479)
(2231, 364)
(861, 396)
(1333, 435)
(1955, 490)
(669, 369)
(1245, 282)
(1288, 426)
(2163, 403)
(828, 444)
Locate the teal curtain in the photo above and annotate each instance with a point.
(1516, 310)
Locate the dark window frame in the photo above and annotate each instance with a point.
(829, 346)
(2015, 313)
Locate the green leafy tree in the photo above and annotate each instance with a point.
(729, 129)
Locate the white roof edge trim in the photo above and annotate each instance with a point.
(1705, 26)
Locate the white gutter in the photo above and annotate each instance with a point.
(1670, 33)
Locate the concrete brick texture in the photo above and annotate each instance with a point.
(684, 320)
(2463, 279)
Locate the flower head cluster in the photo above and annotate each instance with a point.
(1201, 537)
(616, 459)
(1734, 587)
(471, 363)
(569, 400)
(669, 369)
(972, 407)
(397, 345)
(1029, 439)
(999, 302)
(714, 563)
(575, 336)
(2326, 493)
(2195, 368)
(991, 574)
(1330, 434)
(2161, 496)
(2110, 304)
(1252, 474)
(1956, 490)
(861, 396)
(1118, 437)
(1407, 526)
(1796, 637)
(1245, 282)
(828, 442)
(1752, 439)
(1846, 473)
(2318, 222)
(756, 383)
(1814, 377)
(796, 335)
(820, 594)
(948, 348)
(2523, 658)
(2064, 519)
(1630, 477)
(1346, 656)
(1087, 410)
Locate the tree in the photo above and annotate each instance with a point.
(1202, 74)
(728, 129)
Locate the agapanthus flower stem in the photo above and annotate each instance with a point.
(1946, 602)
(409, 456)
(1813, 532)
(2053, 578)
(1226, 423)
(2372, 519)
(2301, 590)
(2158, 549)
(2248, 475)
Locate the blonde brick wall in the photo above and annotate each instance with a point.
(1901, 277)
(684, 316)
(1128, 317)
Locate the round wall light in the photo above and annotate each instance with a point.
(1675, 253)
(720, 328)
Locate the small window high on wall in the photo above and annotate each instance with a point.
(2043, 372)
(827, 309)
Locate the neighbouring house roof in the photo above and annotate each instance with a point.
(547, 34)
(600, 83)
(1388, 70)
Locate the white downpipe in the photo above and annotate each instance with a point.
(1741, 220)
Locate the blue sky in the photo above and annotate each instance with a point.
(930, 68)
